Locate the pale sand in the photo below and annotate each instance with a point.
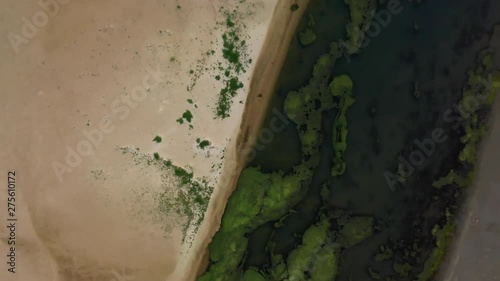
(88, 224)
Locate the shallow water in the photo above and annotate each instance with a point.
(384, 122)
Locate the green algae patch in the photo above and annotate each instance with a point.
(258, 199)
(186, 116)
(181, 195)
(354, 230)
(496, 81)
(384, 254)
(361, 13)
(442, 239)
(236, 61)
(261, 198)
(246, 202)
(294, 105)
(316, 257)
(402, 269)
(253, 275)
(481, 88)
(451, 178)
(307, 37)
(341, 87)
(202, 143)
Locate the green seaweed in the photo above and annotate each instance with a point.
(234, 52)
(316, 257)
(187, 115)
(190, 199)
(203, 143)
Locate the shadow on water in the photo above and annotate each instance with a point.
(386, 120)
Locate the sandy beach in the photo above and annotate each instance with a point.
(91, 77)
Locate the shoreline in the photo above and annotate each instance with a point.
(264, 77)
(475, 220)
(477, 225)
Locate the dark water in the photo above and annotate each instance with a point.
(384, 122)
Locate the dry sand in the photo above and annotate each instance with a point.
(80, 75)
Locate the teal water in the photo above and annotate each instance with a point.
(383, 123)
